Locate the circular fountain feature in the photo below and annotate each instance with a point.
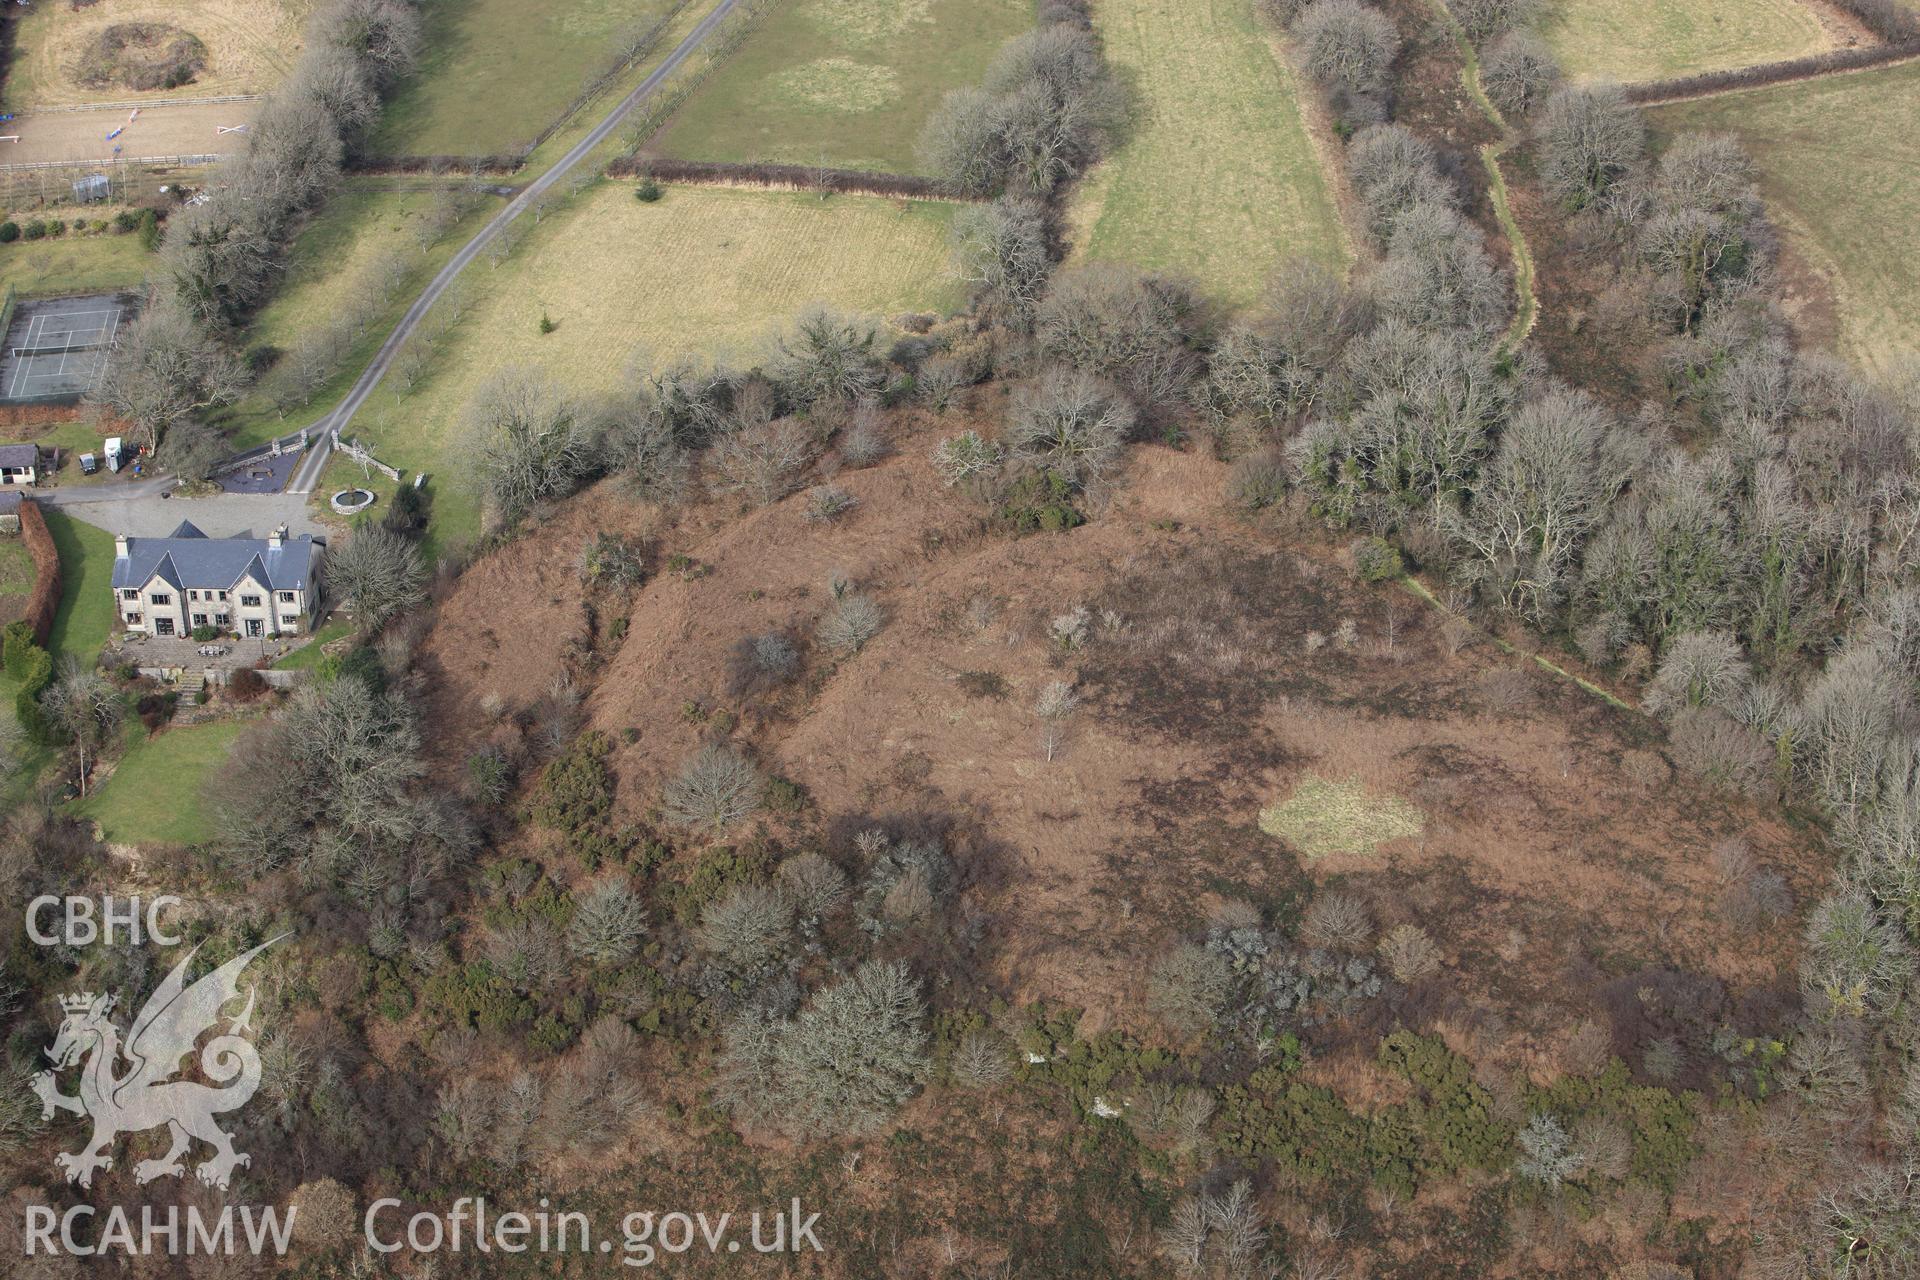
(352, 501)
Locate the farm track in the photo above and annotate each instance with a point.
(307, 476)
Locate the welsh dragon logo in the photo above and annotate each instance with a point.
(144, 1094)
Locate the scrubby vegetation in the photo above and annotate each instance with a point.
(1104, 783)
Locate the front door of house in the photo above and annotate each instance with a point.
(163, 626)
(253, 626)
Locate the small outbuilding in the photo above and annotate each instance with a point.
(93, 189)
(9, 511)
(19, 464)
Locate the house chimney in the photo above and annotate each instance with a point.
(275, 538)
(119, 546)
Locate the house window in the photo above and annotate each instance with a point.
(162, 600)
(163, 626)
(249, 602)
(193, 595)
(130, 594)
(199, 620)
(133, 619)
(286, 597)
(289, 622)
(219, 595)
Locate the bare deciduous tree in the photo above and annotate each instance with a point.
(163, 370)
(377, 573)
(1591, 138)
(530, 442)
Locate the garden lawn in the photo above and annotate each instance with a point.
(706, 270)
(497, 72)
(309, 654)
(1630, 40)
(16, 571)
(86, 615)
(1221, 180)
(845, 83)
(155, 795)
(92, 263)
(1839, 162)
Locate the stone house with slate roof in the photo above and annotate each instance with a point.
(242, 586)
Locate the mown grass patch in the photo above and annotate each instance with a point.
(706, 271)
(156, 795)
(16, 568)
(86, 614)
(845, 83)
(1629, 40)
(309, 654)
(497, 72)
(1220, 180)
(1839, 162)
(75, 264)
(1324, 817)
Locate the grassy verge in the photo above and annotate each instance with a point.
(1220, 180)
(155, 795)
(1629, 40)
(846, 83)
(369, 223)
(706, 270)
(497, 71)
(1839, 163)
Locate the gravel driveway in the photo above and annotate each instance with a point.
(221, 515)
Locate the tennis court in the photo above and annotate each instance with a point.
(56, 348)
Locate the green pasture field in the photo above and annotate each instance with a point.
(844, 83)
(706, 270)
(1220, 180)
(1839, 161)
(496, 72)
(1631, 40)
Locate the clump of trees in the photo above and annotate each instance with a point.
(1045, 110)
(1347, 47)
(1591, 140)
(843, 1064)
